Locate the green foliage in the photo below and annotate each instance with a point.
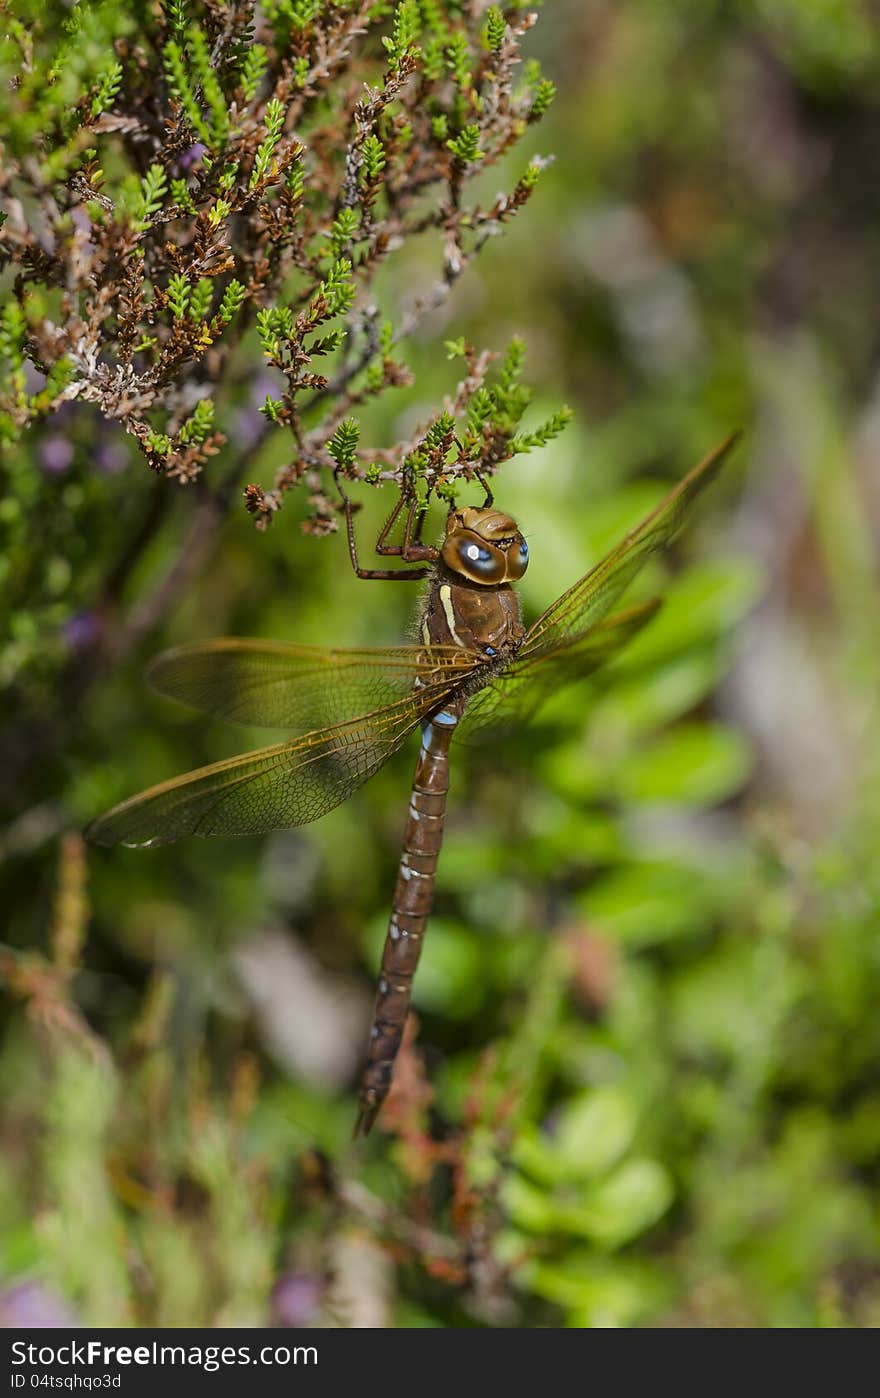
(530, 176)
(274, 121)
(179, 295)
(175, 12)
(181, 196)
(540, 436)
(254, 67)
(198, 55)
(344, 442)
(495, 29)
(13, 329)
(159, 443)
(642, 1088)
(198, 424)
(466, 145)
(405, 32)
(337, 292)
(231, 191)
(109, 84)
(545, 91)
(232, 302)
(270, 322)
(177, 76)
(373, 159)
(294, 180)
(153, 188)
(201, 296)
(343, 230)
(87, 1262)
(458, 59)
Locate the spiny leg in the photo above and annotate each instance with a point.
(409, 551)
(412, 550)
(381, 574)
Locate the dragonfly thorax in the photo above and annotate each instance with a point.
(484, 546)
(479, 618)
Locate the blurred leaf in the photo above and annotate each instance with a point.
(612, 1212)
(633, 707)
(729, 1005)
(698, 606)
(590, 1134)
(573, 770)
(643, 904)
(694, 764)
(561, 834)
(634, 1197)
(471, 857)
(596, 1294)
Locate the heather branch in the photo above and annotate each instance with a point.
(265, 163)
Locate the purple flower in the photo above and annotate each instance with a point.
(295, 1299)
(246, 428)
(192, 156)
(263, 385)
(82, 630)
(111, 457)
(55, 453)
(29, 1305)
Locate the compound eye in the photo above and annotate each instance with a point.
(518, 559)
(480, 563)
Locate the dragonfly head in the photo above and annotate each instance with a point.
(485, 546)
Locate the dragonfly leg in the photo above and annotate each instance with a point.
(490, 498)
(379, 574)
(413, 547)
(412, 550)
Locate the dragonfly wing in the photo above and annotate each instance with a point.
(591, 599)
(514, 696)
(304, 688)
(288, 784)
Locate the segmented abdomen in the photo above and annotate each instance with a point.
(413, 896)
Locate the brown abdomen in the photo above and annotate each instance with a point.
(413, 896)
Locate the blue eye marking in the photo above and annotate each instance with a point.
(478, 560)
(524, 550)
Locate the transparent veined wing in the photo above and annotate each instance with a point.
(590, 600)
(511, 699)
(288, 784)
(272, 684)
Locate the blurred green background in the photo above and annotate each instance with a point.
(648, 1003)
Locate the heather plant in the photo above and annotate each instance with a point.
(176, 177)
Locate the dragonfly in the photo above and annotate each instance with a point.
(475, 667)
